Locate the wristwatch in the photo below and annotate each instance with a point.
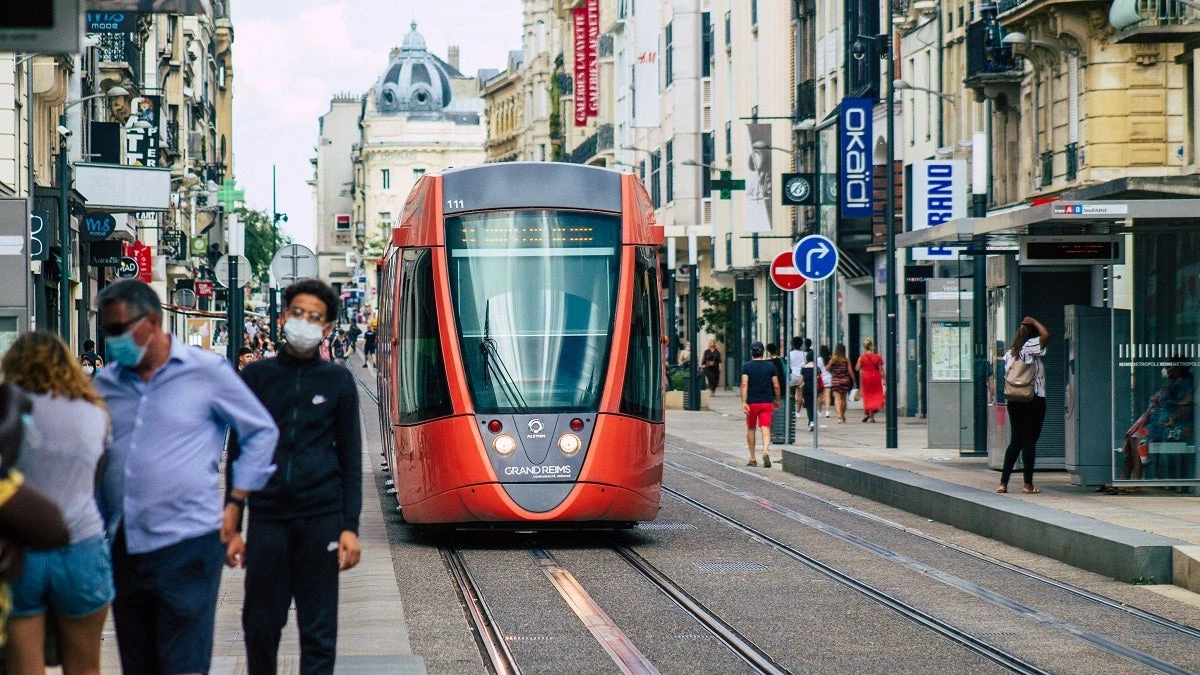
(241, 503)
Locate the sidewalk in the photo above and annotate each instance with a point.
(1154, 511)
(372, 634)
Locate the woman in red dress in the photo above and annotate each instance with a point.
(870, 379)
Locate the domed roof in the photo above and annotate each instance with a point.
(415, 80)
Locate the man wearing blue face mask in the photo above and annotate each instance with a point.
(169, 405)
(303, 526)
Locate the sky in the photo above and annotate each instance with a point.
(291, 56)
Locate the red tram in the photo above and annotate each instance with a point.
(520, 359)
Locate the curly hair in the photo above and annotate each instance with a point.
(41, 363)
(318, 288)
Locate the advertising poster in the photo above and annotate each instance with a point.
(758, 178)
(950, 351)
(939, 196)
(141, 131)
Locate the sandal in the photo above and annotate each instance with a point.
(766, 462)
(1030, 490)
(1002, 490)
(752, 463)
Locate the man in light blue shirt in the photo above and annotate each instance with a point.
(170, 405)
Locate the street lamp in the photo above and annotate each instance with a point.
(901, 84)
(64, 228)
(1017, 38)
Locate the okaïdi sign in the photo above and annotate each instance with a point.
(854, 155)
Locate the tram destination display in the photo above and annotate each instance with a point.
(1077, 250)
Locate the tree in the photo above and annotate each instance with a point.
(259, 245)
(716, 318)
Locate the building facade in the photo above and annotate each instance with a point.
(333, 192)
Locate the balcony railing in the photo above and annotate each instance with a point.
(593, 145)
(1047, 168)
(1072, 161)
(985, 52)
(1165, 13)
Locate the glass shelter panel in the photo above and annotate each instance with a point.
(1154, 368)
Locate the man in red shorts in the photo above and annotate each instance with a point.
(760, 397)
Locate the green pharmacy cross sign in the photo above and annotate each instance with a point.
(726, 184)
(229, 195)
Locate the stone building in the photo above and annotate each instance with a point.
(504, 108)
(422, 115)
(333, 191)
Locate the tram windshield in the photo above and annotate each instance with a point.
(534, 293)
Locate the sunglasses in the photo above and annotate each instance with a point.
(114, 329)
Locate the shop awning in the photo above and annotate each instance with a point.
(1111, 213)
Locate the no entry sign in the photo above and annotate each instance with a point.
(784, 273)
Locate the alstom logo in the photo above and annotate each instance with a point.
(856, 193)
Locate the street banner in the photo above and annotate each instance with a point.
(156, 6)
(758, 178)
(141, 253)
(39, 236)
(586, 34)
(593, 43)
(646, 112)
(855, 157)
(579, 33)
(939, 195)
(141, 141)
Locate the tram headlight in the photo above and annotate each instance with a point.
(504, 444)
(569, 444)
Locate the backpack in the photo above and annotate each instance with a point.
(1018, 381)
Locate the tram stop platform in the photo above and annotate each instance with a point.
(1151, 537)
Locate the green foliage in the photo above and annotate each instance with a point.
(259, 245)
(376, 243)
(676, 379)
(556, 144)
(1144, 581)
(716, 318)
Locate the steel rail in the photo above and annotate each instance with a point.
(1061, 585)
(488, 636)
(730, 637)
(619, 647)
(920, 617)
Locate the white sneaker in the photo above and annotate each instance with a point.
(827, 413)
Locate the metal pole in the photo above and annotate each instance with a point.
(815, 327)
(979, 157)
(890, 221)
(693, 335)
(64, 239)
(673, 334)
(274, 304)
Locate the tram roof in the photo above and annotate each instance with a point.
(531, 185)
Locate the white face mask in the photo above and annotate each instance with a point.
(302, 335)
(88, 370)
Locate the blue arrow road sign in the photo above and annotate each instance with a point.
(816, 257)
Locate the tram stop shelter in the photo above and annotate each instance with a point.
(1113, 271)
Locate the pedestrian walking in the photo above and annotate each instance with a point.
(825, 384)
(711, 363)
(1025, 417)
(871, 379)
(841, 380)
(170, 405)
(303, 526)
(340, 349)
(760, 398)
(90, 360)
(245, 357)
(28, 520)
(369, 345)
(777, 361)
(800, 376)
(66, 589)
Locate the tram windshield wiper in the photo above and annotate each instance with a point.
(493, 364)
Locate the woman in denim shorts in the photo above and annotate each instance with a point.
(72, 584)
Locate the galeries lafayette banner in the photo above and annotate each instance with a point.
(586, 33)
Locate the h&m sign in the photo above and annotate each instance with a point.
(855, 141)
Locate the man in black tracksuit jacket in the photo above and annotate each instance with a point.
(303, 526)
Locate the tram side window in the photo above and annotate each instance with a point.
(422, 391)
(643, 392)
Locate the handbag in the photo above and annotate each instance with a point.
(1018, 381)
(856, 394)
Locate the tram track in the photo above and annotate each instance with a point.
(624, 653)
(1024, 610)
(1071, 589)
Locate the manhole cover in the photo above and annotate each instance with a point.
(730, 567)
